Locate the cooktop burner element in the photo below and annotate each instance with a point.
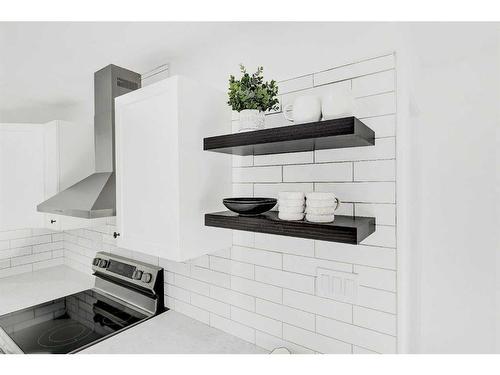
(71, 323)
(67, 333)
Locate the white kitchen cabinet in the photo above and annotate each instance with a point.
(69, 158)
(22, 175)
(36, 162)
(165, 181)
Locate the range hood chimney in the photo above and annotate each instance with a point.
(95, 196)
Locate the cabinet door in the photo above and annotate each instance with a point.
(147, 175)
(22, 175)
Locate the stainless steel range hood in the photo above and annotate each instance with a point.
(95, 196)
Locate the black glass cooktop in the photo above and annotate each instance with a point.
(68, 324)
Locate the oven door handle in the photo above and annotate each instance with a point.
(107, 314)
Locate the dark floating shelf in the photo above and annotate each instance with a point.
(337, 133)
(346, 229)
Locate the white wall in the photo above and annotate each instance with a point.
(455, 86)
(448, 116)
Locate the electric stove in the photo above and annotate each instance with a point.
(126, 293)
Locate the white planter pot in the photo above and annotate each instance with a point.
(251, 119)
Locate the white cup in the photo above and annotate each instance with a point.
(337, 103)
(306, 108)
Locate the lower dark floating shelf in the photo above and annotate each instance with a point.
(345, 229)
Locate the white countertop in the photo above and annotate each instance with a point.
(29, 289)
(173, 333)
(168, 333)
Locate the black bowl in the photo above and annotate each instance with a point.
(249, 206)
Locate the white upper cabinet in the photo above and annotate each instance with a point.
(22, 175)
(165, 181)
(36, 162)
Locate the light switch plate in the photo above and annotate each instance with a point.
(341, 286)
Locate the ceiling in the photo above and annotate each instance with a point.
(46, 68)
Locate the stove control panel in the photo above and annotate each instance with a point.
(126, 269)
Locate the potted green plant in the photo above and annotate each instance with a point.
(251, 97)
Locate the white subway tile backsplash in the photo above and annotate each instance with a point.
(30, 259)
(257, 174)
(345, 208)
(203, 261)
(242, 161)
(285, 279)
(243, 238)
(13, 234)
(374, 84)
(319, 92)
(377, 299)
(357, 69)
(210, 304)
(384, 148)
(360, 350)
(295, 84)
(285, 314)
(192, 311)
(376, 277)
(374, 319)
(383, 126)
(376, 341)
(284, 244)
(243, 190)
(357, 254)
(385, 214)
(364, 192)
(257, 289)
(375, 105)
(318, 305)
(328, 172)
(230, 326)
(260, 322)
(4, 264)
(283, 159)
(17, 252)
(375, 170)
(233, 298)
(232, 267)
(30, 241)
(177, 293)
(49, 246)
(272, 190)
(192, 285)
(256, 256)
(210, 276)
(168, 277)
(309, 266)
(317, 342)
(383, 236)
(4, 245)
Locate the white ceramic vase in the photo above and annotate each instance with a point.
(251, 119)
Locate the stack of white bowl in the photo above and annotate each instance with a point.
(291, 205)
(320, 207)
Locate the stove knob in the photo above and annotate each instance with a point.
(137, 275)
(103, 263)
(96, 261)
(146, 278)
